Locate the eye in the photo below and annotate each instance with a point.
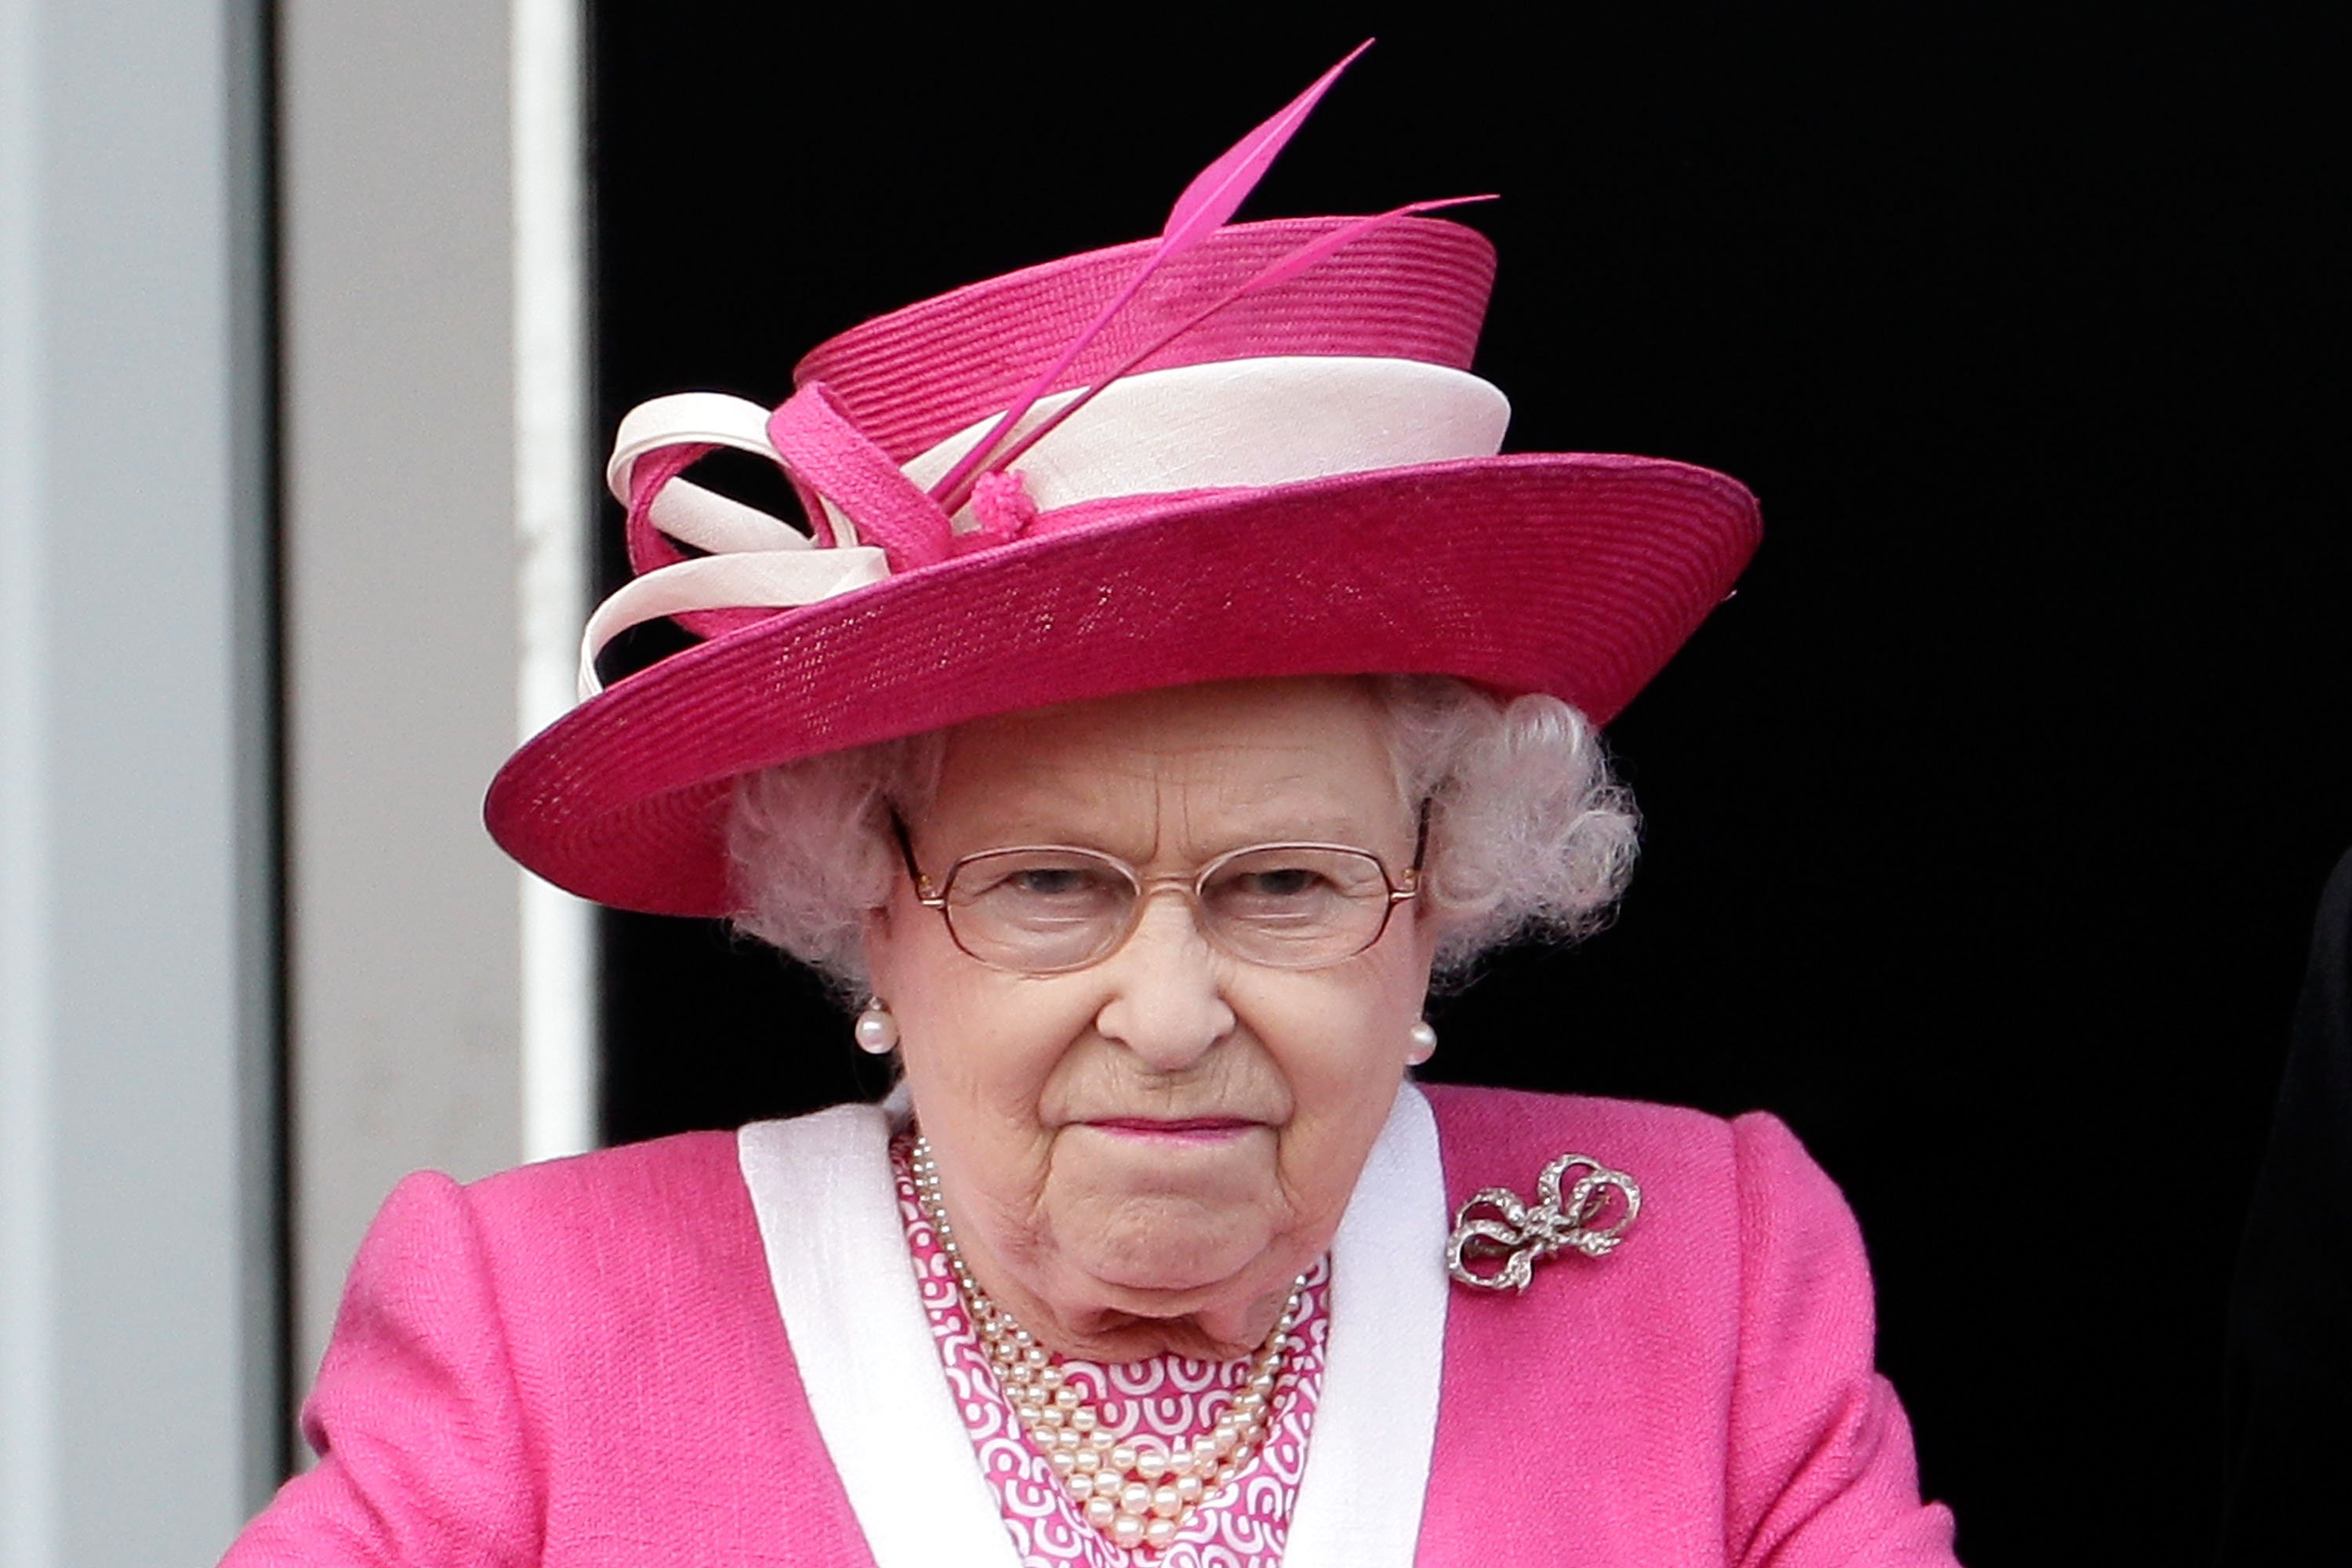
(1286, 884)
(1040, 884)
(1038, 910)
(1055, 881)
(1276, 883)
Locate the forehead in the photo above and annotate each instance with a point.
(1184, 771)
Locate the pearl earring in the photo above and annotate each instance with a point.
(1424, 1043)
(877, 1030)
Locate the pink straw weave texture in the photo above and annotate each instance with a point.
(1413, 289)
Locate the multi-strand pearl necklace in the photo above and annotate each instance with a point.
(1137, 1493)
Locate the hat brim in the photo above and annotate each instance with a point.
(1570, 573)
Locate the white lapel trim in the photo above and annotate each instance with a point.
(1376, 1425)
(827, 1202)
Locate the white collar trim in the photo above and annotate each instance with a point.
(827, 1206)
(827, 1203)
(1376, 1425)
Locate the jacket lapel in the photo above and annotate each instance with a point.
(1368, 1458)
(827, 1206)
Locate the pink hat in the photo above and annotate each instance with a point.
(1235, 451)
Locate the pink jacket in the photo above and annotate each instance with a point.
(584, 1363)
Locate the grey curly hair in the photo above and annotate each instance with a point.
(1531, 835)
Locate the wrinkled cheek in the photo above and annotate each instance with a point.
(1319, 1176)
(1345, 1104)
(990, 1078)
(1324, 1149)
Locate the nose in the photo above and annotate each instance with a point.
(1166, 1001)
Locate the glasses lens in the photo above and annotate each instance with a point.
(1295, 906)
(1038, 910)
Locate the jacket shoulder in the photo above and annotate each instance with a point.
(589, 1253)
(1714, 1191)
(1716, 1365)
(651, 1181)
(1503, 1137)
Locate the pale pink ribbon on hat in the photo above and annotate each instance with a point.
(1187, 431)
(756, 561)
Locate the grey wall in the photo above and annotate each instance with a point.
(163, 1215)
(436, 501)
(138, 1368)
(398, 333)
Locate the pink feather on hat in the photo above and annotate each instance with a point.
(1205, 206)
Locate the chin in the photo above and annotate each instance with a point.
(1175, 1264)
(1166, 1287)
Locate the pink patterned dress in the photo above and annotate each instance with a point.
(1171, 1398)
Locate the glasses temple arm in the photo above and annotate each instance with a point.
(1420, 851)
(923, 893)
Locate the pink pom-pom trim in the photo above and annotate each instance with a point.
(1003, 504)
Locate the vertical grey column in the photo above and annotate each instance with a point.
(399, 217)
(138, 1379)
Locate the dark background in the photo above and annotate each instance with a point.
(1984, 827)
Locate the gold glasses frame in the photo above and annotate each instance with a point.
(936, 896)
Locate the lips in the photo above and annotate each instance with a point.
(1187, 1128)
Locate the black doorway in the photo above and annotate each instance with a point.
(1984, 828)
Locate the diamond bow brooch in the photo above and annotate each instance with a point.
(1495, 1223)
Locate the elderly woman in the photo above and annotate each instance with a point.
(1172, 680)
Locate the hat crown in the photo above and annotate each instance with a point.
(1412, 289)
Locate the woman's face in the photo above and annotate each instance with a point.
(1141, 1154)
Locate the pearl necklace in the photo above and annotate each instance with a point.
(1136, 1493)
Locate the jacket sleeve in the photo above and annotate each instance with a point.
(1821, 1472)
(422, 1456)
